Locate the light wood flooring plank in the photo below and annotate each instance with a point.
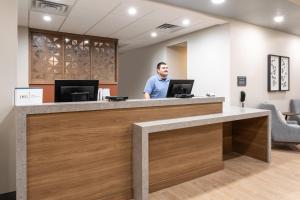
(244, 178)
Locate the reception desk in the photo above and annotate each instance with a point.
(170, 159)
(84, 150)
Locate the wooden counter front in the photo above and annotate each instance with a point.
(88, 154)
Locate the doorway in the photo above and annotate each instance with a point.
(177, 60)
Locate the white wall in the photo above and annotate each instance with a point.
(8, 81)
(250, 46)
(208, 62)
(23, 51)
(136, 66)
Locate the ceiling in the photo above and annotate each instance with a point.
(259, 12)
(109, 18)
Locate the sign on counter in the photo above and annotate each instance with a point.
(28, 96)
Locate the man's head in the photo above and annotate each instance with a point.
(162, 69)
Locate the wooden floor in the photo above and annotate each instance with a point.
(244, 178)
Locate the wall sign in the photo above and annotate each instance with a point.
(28, 96)
(241, 81)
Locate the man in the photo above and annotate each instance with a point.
(157, 85)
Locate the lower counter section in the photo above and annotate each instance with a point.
(88, 155)
(170, 152)
(184, 154)
(247, 137)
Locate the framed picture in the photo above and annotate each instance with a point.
(273, 73)
(284, 73)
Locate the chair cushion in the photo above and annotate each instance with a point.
(281, 116)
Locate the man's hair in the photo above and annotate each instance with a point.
(160, 64)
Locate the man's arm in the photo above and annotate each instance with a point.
(146, 95)
(148, 88)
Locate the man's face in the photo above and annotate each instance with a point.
(163, 71)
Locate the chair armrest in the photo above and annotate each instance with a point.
(292, 122)
(290, 114)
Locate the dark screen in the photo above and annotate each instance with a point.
(180, 87)
(76, 90)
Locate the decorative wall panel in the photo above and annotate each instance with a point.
(72, 57)
(104, 61)
(46, 58)
(77, 59)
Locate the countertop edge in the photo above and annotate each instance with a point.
(104, 105)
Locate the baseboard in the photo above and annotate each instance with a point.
(8, 196)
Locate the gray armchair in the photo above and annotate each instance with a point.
(282, 132)
(295, 108)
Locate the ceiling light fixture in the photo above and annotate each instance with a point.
(132, 11)
(279, 19)
(186, 22)
(218, 1)
(47, 18)
(153, 34)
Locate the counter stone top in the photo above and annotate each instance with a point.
(105, 105)
(230, 113)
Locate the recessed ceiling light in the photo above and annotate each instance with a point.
(86, 41)
(186, 22)
(218, 1)
(47, 18)
(279, 19)
(153, 34)
(132, 11)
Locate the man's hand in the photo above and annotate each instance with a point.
(146, 96)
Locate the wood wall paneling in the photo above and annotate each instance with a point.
(185, 154)
(55, 55)
(87, 155)
(250, 137)
(227, 137)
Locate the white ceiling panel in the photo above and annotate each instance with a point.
(193, 20)
(110, 25)
(36, 21)
(259, 12)
(137, 29)
(142, 7)
(145, 24)
(103, 5)
(146, 39)
(76, 23)
(119, 18)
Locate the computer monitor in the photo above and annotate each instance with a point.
(180, 87)
(76, 90)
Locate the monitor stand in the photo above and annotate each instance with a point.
(184, 95)
(80, 96)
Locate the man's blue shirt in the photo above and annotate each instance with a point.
(157, 87)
